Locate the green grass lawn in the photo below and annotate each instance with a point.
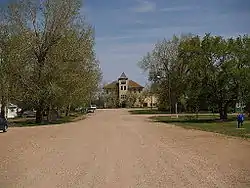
(209, 123)
(148, 111)
(29, 122)
(156, 111)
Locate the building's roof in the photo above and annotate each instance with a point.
(131, 84)
(112, 85)
(123, 75)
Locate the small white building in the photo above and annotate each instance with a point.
(11, 111)
(150, 101)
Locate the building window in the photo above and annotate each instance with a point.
(139, 91)
(125, 88)
(121, 87)
(123, 96)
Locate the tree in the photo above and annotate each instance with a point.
(143, 95)
(209, 73)
(111, 100)
(131, 99)
(58, 66)
(12, 45)
(212, 72)
(165, 70)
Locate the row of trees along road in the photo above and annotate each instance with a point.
(47, 56)
(207, 73)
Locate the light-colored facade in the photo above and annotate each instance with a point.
(123, 88)
(11, 111)
(123, 92)
(150, 101)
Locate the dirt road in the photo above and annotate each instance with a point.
(114, 149)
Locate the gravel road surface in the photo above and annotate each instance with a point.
(114, 149)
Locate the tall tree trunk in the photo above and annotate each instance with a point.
(39, 115)
(49, 114)
(68, 110)
(248, 108)
(223, 111)
(3, 107)
(58, 113)
(197, 111)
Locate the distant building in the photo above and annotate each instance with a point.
(126, 93)
(150, 101)
(11, 111)
(239, 107)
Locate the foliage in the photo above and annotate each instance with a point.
(209, 73)
(131, 99)
(50, 55)
(111, 100)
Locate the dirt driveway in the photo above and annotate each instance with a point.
(114, 149)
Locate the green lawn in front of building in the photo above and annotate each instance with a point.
(209, 123)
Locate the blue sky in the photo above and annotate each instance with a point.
(127, 29)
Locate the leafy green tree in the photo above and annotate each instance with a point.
(57, 68)
(12, 46)
(111, 100)
(131, 99)
(209, 73)
(166, 70)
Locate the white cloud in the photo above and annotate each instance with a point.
(139, 22)
(131, 48)
(160, 32)
(178, 9)
(156, 33)
(111, 38)
(144, 6)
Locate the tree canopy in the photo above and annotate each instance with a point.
(200, 73)
(47, 55)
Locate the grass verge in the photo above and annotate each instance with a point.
(148, 111)
(156, 111)
(209, 123)
(30, 122)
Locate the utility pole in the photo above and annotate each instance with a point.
(169, 92)
(151, 97)
(176, 109)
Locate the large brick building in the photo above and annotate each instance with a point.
(122, 90)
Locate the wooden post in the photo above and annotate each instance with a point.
(176, 109)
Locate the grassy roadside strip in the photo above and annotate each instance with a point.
(147, 111)
(30, 122)
(209, 123)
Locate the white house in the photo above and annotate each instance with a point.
(11, 111)
(150, 101)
